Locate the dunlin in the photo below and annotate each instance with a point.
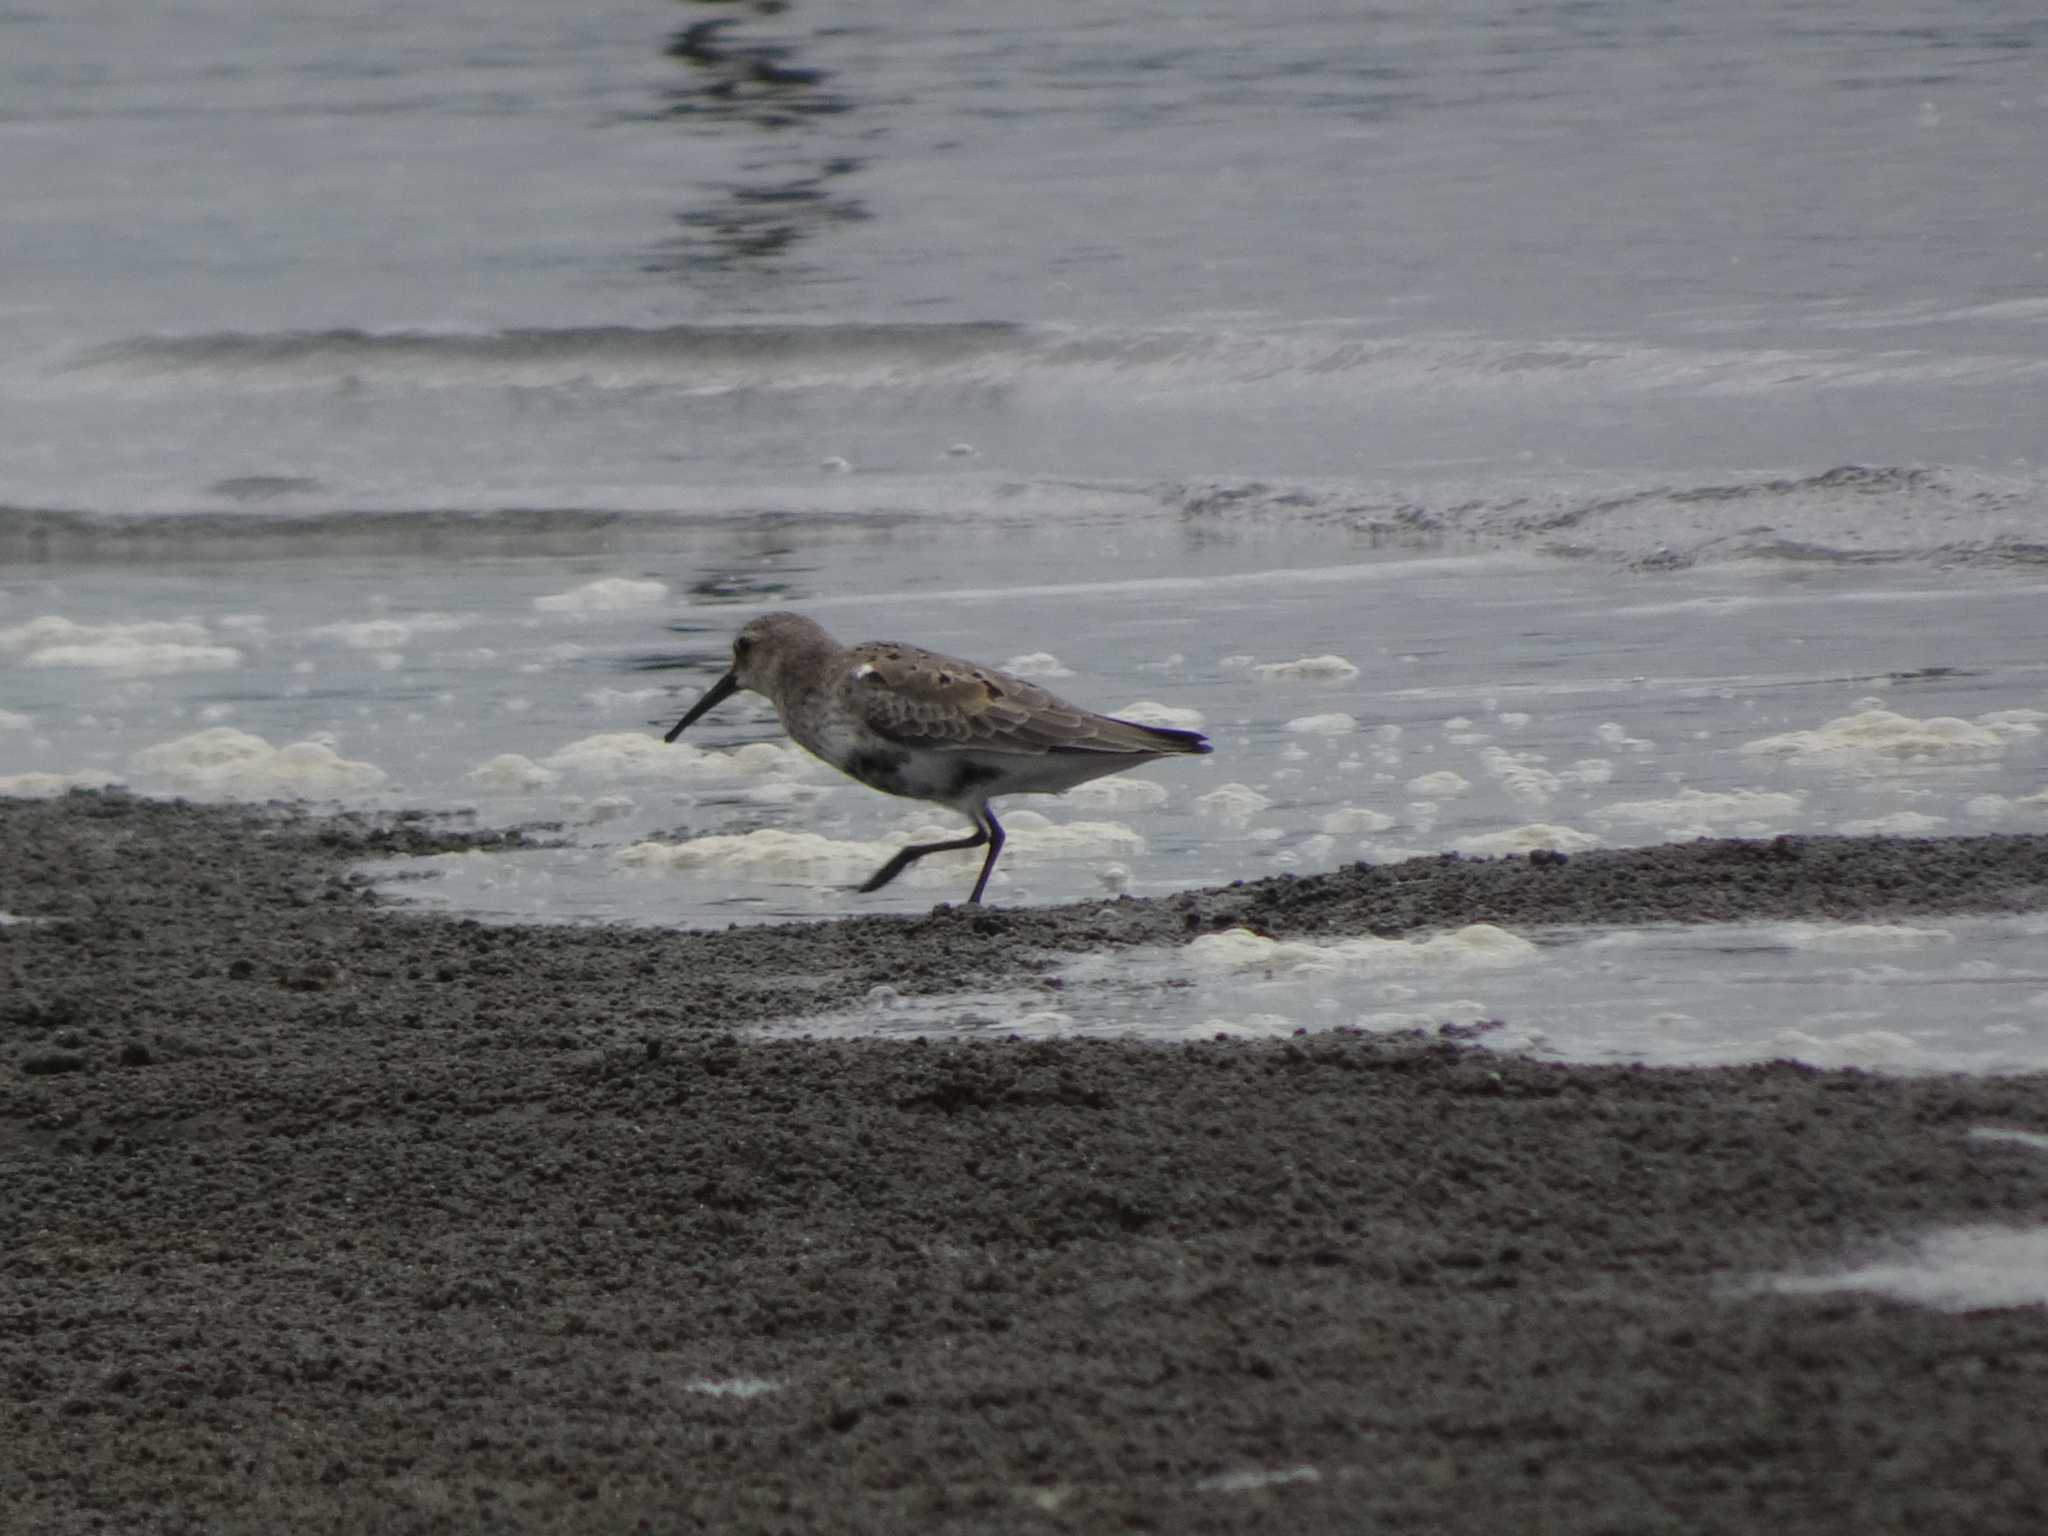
(911, 722)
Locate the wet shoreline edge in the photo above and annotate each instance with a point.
(326, 1216)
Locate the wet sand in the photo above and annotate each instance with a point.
(319, 1217)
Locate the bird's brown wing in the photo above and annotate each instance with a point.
(919, 698)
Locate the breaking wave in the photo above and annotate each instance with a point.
(982, 353)
(1848, 515)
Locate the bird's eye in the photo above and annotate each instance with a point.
(741, 646)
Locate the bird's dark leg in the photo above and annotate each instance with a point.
(994, 829)
(911, 855)
(986, 830)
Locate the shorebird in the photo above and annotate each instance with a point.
(911, 722)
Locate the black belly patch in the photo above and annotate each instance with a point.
(970, 776)
(879, 769)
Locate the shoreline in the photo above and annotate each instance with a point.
(326, 1217)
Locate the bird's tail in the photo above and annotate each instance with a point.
(1167, 739)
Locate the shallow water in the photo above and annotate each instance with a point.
(1948, 994)
(637, 256)
(1499, 704)
(1646, 407)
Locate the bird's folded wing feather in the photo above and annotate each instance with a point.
(919, 698)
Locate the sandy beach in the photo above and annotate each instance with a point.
(322, 1217)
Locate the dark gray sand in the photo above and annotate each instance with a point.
(314, 1218)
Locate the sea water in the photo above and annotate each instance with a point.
(1558, 427)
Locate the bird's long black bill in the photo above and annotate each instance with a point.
(714, 696)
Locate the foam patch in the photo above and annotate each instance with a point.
(1232, 802)
(810, 858)
(1118, 794)
(1353, 819)
(608, 594)
(511, 773)
(37, 786)
(1527, 839)
(1334, 724)
(388, 634)
(1874, 740)
(635, 755)
(1896, 824)
(1308, 669)
(126, 649)
(1441, 785)
(1692, 812)
(1479, 946)
(224, 761)
(1037, 664)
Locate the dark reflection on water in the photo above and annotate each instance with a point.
(740, 79)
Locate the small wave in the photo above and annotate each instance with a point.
(1848, 515)
(890, 358)
(617, 356)
(39, 533)
(294, 526)
(784, 358)
(1852, 514)
(800, 356)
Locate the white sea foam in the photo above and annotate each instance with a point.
(1232, 802)
(36, 786)
(1441, 785)
(1033, 836)
(1522, 774)
(1118, 794)
(1895, 824)
(1588, 770)
(1612, 734)
(1308, 669)
(1874, 740)
(1527, 839)
(770, 853)
(608, 594)
(2014, 722)
(1693, 811)
(1353, 819)
(389, 634)
(635, 755)
(511, 773)
(1334, 724)
(12, 721)
(811, 858)
(1860, 938)
(1480, 946)
(1037, 664)
(126, 649)
(224, 761)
